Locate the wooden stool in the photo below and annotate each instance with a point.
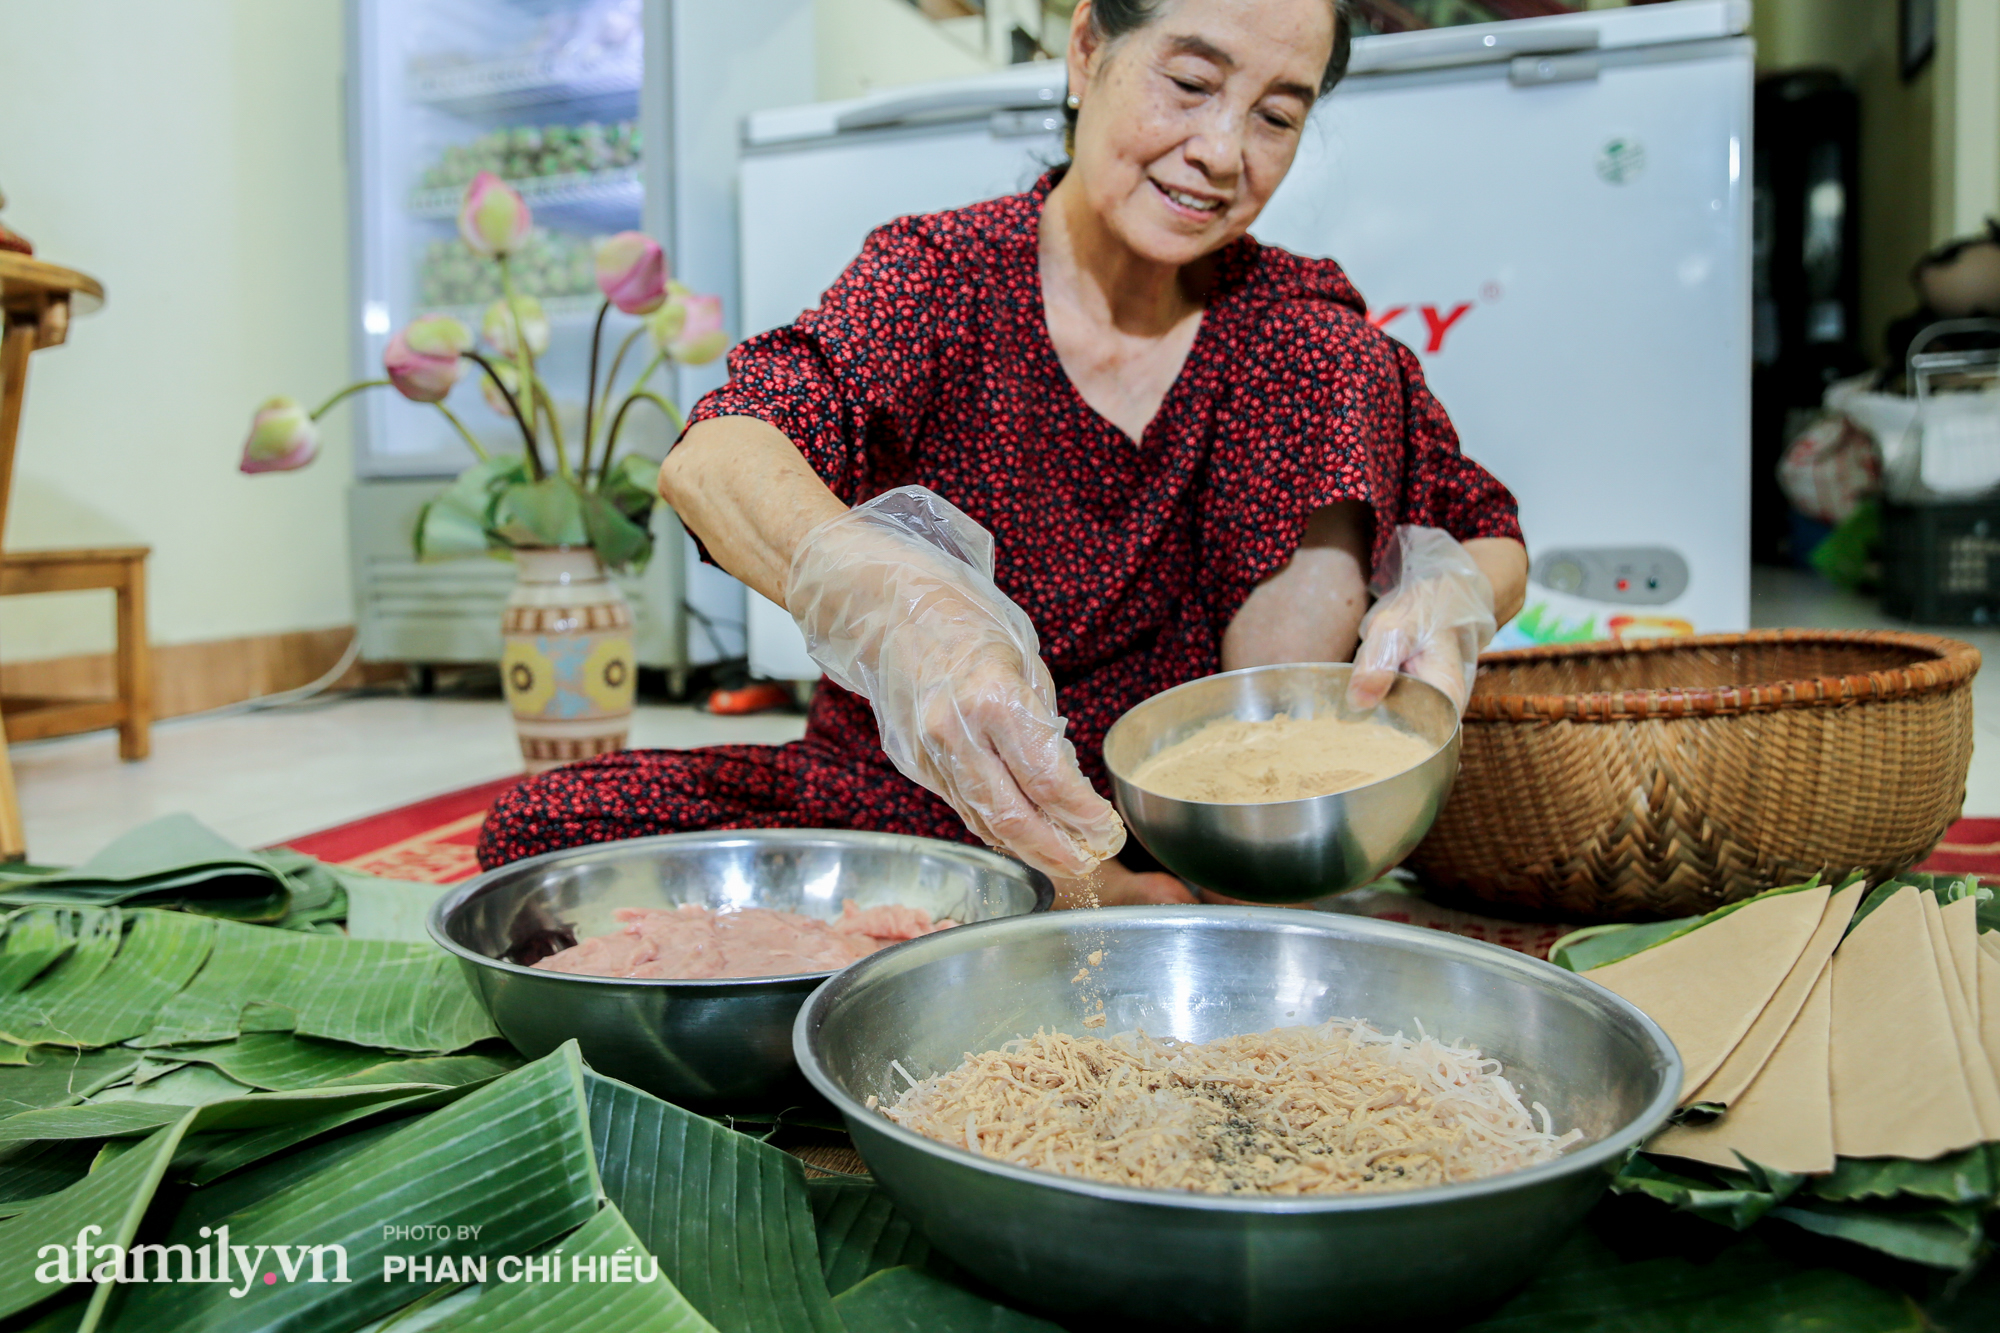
(122, 569)
(36, 302)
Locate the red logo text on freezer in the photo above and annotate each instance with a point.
(1438, 321)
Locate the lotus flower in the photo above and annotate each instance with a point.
(688, 327)
(282, 437)
(494, 219)
(497, 327)
(632, 272)
(423, 360)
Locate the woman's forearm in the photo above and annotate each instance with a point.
(743, 487)
(1504, 562)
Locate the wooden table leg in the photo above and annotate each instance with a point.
(135, 665)
(20, 340)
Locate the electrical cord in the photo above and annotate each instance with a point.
(285, 698)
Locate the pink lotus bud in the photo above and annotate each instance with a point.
(688, 327)
(282, 437)
(494, 219)
(497, 327)
(423, 360)
(493, 397)
(632, 272)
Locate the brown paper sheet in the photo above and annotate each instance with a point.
(1706, 988)
(1989, 1006)
(1961, 932)
(1897, 1080)
(1964, 1018)
(1784, 1119)
(1741, 1067)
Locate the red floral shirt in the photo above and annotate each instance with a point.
(929, 362)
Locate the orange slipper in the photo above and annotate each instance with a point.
(757, 697)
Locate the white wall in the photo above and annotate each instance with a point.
(189, 156)
(1967, 146)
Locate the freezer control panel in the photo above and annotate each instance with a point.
(1625, 575)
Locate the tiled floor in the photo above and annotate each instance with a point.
(259, 778)
(262, 777)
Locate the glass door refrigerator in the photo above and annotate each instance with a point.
(607, 116)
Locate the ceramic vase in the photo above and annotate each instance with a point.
(567, 664)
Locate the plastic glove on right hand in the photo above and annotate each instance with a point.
(897, 602)
(1434, 615)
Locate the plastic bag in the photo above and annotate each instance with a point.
(897, 602)
(1434, 615)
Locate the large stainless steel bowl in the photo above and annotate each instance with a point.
(1091, 1252)
(722, 1043)
(1283, 851)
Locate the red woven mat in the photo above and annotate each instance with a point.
(1970, 847)
(433, 841)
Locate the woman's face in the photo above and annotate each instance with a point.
(1187, 125)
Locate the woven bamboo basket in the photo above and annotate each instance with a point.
(1626, 781)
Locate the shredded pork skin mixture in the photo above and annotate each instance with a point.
(1336, 1108)
(1284, 758)
(692, 943)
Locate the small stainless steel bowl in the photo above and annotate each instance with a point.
(721, 1043)
(1283, 851)
(1162, 1258)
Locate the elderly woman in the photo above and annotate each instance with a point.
(1032, 461)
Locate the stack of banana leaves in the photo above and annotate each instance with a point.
(1840, 1046)
(209, 1122)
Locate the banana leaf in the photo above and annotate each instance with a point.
(586, 1306)
(78, 1005)
(1747, 1288)
(281, 1062)
(98, 935)
(1967, 1177)
(113, 1200)
(445, 1070)
(30, 1170)
(319, 891)
(861, 1233)
(910, 1300)
(204, 1158)
(1736, 1199)
(398, 997)
(389, 909)
(1949, 1238)
(36, 940)
(190, 1085)
(279, 1171)
(57, 1077)
(727, 1216)
(425, 1313)
(512, 1159)
(171, 861)
(90, 1121)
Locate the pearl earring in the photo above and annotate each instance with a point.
(1072, 102)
